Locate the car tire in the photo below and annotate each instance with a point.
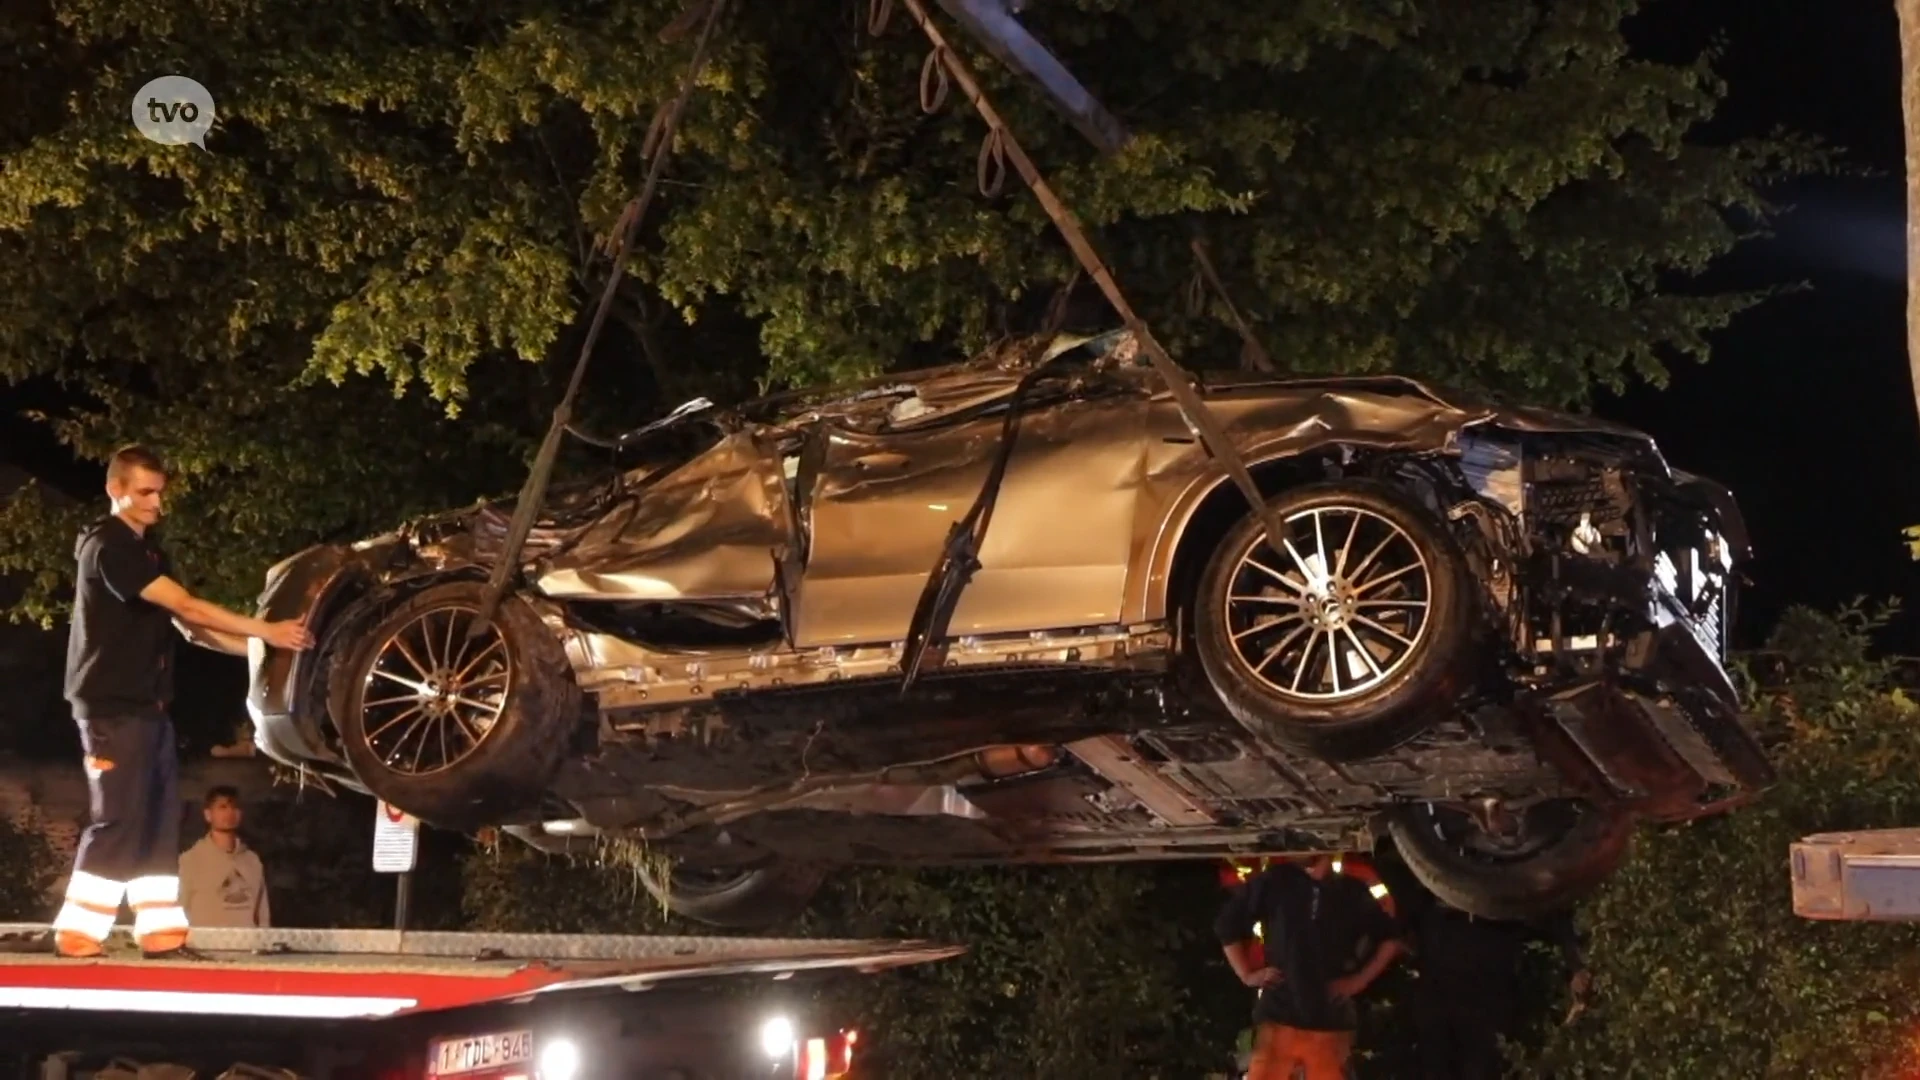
(516, 707)
(1567, 849)
(1242, 608)
(752, 898)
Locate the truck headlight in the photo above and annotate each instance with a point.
(776, 1037)
(559, 1060)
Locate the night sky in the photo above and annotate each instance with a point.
(1806, 410)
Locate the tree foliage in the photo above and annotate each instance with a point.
(1072, 971)
(357, 304)
(1702, 969)
(395, 219)
(25, 889)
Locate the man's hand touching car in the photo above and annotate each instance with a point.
(289, 634)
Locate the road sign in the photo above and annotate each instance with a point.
(396, 840)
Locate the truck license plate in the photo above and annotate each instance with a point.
(452, 1057)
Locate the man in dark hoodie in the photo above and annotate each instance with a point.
(1326, 940)
(1469, 994)
(120, 682)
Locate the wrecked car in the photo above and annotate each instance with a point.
(1012, 610)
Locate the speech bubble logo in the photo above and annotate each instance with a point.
(174, 110)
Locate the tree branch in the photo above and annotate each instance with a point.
(633, 311)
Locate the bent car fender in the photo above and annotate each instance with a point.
(310, 584)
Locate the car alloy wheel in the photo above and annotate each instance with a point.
(435, 691)
(1508, 837)
(1511, 864)
(1334, 614)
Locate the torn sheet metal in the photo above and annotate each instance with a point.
(709, 530)
(1056, 552)
(1105, 477)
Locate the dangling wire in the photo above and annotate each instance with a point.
(991, 170)
(1253, 355)
(533, 492)
(879, 13)
(655, 131)
(1057, 308)
(1213, 435)
(933, 81)
(1195, 294)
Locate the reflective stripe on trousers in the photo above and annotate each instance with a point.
(91, 904)
(132, 846)
(155, 900)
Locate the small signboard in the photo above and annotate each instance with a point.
(396, 840)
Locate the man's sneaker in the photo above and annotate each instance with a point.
(162, 941)
(76, 946)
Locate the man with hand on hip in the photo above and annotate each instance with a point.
(1326, 940)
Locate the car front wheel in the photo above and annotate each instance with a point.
(1350, 637)
(738, 898)
(456, 727)
(1519, 865)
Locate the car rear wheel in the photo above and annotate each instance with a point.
(458, 729)
(1534, 863)
(1350, 639)
(738, 898)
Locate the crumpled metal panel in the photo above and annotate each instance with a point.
(934, 401)
(876, 517)
(1270, 420)
(1089, 517)
(710, 530)
(1056, 552)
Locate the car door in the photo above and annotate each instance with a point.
(878, 508)
(713, 529)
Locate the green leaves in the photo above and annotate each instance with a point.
(409, 197)
(1703, 969)
(1070, 971)
(34, 868)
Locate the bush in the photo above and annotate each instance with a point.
(31, 868)
(1071, 971)
(1701, 968)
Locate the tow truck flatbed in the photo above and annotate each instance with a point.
(358, 1004)
(330, 974)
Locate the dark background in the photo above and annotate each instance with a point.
(1806, 410)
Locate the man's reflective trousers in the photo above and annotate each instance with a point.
(132, 847)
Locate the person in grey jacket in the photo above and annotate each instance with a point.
(222, 881)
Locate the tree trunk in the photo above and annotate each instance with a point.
(1910, 107)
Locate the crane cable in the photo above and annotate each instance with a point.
(1002, 146)
(659, 146)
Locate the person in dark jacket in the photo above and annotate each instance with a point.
(1326, 940)
(120, 682)
(1467, 996)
